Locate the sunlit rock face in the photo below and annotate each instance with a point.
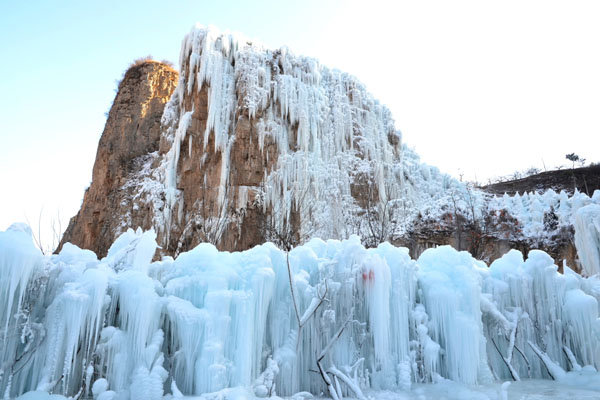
(132, 131)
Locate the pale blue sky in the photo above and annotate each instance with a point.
(484, 87)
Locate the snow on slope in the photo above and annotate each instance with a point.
(208, 320)
(539, 218)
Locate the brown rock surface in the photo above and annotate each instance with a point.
(496, 238)
(132, 130)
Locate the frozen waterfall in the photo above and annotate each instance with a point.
(126, 327)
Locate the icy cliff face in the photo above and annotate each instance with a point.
(132, 131)
(253, 141)
(267, 133)
(258, 145)
(262, 320)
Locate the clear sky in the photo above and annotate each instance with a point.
(479, 87)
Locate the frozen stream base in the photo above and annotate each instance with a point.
(534, 389)
(329, 318)
(526, 390)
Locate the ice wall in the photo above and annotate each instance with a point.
(587, 237)
(127, 327)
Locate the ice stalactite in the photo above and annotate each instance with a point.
(450, 285)
(17, 267)
(546, 308)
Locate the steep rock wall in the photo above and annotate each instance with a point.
(132, 130)
(253, 145)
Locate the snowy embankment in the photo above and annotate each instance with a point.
(329, 317)
(544, 219)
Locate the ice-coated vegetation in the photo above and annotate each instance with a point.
(328, 317)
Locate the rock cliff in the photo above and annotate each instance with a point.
(132, 130)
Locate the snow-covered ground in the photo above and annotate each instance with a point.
(264, 323)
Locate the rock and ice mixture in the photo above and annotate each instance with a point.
(255, 145)
(328, 317)
(311, 132)
(338, 162)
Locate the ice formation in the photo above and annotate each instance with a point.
(126, 327)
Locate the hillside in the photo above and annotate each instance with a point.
(585, 179)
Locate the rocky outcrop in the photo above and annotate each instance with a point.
(132, 130)
(253, 145)
(490, 237)
(584, 179)
(260, 145)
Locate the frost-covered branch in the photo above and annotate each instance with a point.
(524, 358)
(571, 357)
(335, 337)
(327, 379)
(513, 373)
(489, 308)
(351, 383)
(554, 370)
(293, 291)
(314, 304)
